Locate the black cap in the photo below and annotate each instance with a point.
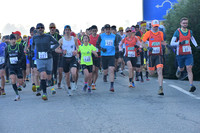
(114, 27)
(107, 26)
(32, 29)
(93, 27)
(102, 28)
(39, 25)
(6, 37)
(12, 36)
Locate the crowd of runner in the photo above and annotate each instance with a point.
(47, 56)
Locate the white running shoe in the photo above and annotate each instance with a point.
(73, 86)
(69, 92)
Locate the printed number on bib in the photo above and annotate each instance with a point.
(69, 54)
(2, 60)
(43, 55)
(87, 58)
(156, 50)
(186, 49)
(109, 42)
(131, 53)
(13, 60)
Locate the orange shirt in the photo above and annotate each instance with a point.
(147, 35)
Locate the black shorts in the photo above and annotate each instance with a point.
(2, 66)
(155, 61)
(108, 61)
(60, 61)
(133, 61)
(68, 63)
(89, 68)
(96, 61)
(16, 70)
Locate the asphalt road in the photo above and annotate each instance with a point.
(127, 110)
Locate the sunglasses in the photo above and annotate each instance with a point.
(52, 27)
(40, 27)
(128, 31)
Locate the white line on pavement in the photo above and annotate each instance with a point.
(184, 91)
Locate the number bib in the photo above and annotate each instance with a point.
(131, 53)
(69, 54)
(87, 58)
(13, 60)
(156, 50)
(2, 60)
(43, 55)
(186, 49)
(109, 42)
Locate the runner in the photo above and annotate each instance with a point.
(68, 47)
(52, 28)
(44, 61)
(156, 40)
(14, 54)
(107, 43)
(86, 50)
(132, 44)
(181, 39)
(2, 65)
(96, 60)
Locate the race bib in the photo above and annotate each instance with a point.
(109, 42)
(186, 49)
(131, 53)
(69, 54)
(87, 58)
(155, 43)
(156, 50)
(13, 60)
(43, 55)
(2, 60)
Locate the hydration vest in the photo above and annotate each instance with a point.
(155, 43)
(184, 49)
(130, 50)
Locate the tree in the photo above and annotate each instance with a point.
(191, 10)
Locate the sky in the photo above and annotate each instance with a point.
(79, 14)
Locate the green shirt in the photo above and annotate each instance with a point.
(176, 34)
(86, 54)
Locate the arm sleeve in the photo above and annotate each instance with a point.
(55, 42)
(173, 41)
(194, 41)
(98, 42)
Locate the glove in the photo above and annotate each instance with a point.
(103, 50)
(150, 49)
(183, 42)
(136, 46)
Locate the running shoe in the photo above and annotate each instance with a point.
(133, 84)
(112, 89)
(53, 91)
(27, 79)
(3, 92)
(93, 87)
(59, 86)
(84, 88)
(19, 88)
(192, 89)
(73, 86)
(44, 96)
(142, 80)
(160, 91)
(137, 79)
(24, 85)
(183, 76)
(34, 88)
(69, 92)
(130, 85)
(17, 98)
(76, 86)
(147, 79)
(89, 90)
(178, 73)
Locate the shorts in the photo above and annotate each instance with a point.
(133, 60)
(155, 61)
(2, 66)
(184, 60)
(96, 61)
(108, 61)
(117, 55)
(16, 70)
(45, 65)
(68, 63)
(89, 68)
(60, 61)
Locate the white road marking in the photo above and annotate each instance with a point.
(184, 91)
